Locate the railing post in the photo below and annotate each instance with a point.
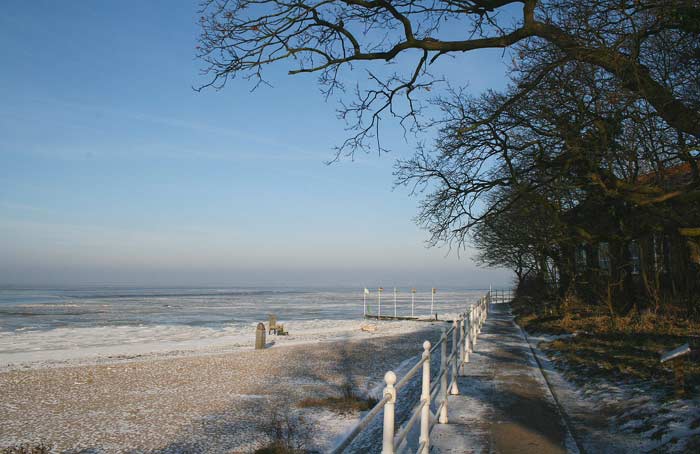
(478, 320)
(442, 419)
(456, 360)
(425, 400)
(481, 318)
(467, 344)
(482, 313)
(478, 316)
(388, 438)
(472, 325)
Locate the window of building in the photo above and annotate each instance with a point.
(581, 258)
(604, 257)
(635, 257)
(659, 259)
(662, 249)
(667, 253)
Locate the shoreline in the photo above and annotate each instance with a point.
(68, 353)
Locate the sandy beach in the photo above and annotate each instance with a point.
(198, 401)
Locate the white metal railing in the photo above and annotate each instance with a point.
(501, 295)
(400, 302)
(464, 331)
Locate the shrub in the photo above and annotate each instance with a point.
(349, 401)
(288, 431)
(27, 448)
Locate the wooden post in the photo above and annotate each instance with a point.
(260, 336)
(389, 407)
(677, 359)
(679, 375)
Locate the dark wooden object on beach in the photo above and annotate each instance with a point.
(260, 336)
(416, 319)
(274, 327)
(272, 323)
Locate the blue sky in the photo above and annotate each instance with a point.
(114, 171)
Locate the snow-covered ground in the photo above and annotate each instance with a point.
(86, 345)
(179, 373)
(622, 416)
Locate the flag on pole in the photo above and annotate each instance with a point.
(434, 290)
(366, 291)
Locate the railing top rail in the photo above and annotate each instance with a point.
(438, 343)
(410, 374)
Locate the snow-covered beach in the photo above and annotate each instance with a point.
(174, 378)
(201, 401)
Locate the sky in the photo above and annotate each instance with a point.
(114, 171)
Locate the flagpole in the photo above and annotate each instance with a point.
(364, 303)
(394, 302)
(432, 301)
(379, 308)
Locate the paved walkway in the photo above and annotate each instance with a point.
(504, 405)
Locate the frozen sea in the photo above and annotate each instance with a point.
(64, 324)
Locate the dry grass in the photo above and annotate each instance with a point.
(27, 449)
(625, 358)
(619, 348)
(350, 401)
(288, 431)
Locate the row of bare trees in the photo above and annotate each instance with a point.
(539, 179)
(580, 153)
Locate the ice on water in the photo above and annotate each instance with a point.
(46, 325)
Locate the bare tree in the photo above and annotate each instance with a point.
(571, 135)
(650, 47)
(522, 238)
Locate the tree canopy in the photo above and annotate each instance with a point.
(649, 47)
